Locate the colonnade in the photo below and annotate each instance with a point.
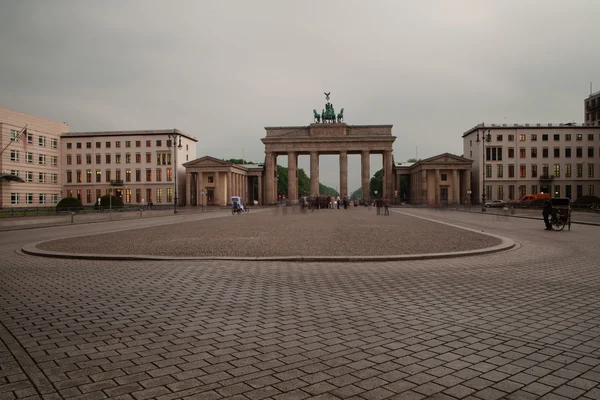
(235, 184)
(426, 185)
(292, 195)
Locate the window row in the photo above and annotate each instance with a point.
(555, 190)
(42, 140)
(545, 171)
(117, 143)
(157, 195)
(533, 137)
(42, 177)
(161, 158)
(158, 177)
(28, 198)
(28, 157)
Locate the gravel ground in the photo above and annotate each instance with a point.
(352, 232)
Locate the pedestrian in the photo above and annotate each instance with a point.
(386, 207)
(338, 202)
(329, 202)
(378, 206)
(546, 212)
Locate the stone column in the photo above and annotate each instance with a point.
(424, 197)
(275, 180)
(228, 196)
(388, 179)
(314, 173)
(217, 195)
(365, 171)
(188, 188)
(437, 187)
(261, 196)
(344, 174)
(292, 177)
(269, 173)
(468, 184)
(455, 187)
(199, 188)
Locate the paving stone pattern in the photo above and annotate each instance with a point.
(521, 324)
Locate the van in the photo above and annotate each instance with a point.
(528, 198)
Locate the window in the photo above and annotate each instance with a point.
(579, 190)
(488, 191)
(148, 175)
(128, 195)
(107, 158)
(444, 177)
(88, 145)
(567, 152)
(54, 143)
(556, 152)
(500, 192)
(138, 175)
(88, 195)
(14, 135)
(169, 175)
(511, 192)
(88, 158)
(138, 143)
(567, 170)
(579, 136)
(148, 143)
(567, 136)
(118, 158)
(557, 170)
(556, 137)
(534, 189)
(98, 176)
(54, 198)
(107, 145)
(42, 141)
(545, 137)
(579, 152)
(14, 198)
(41, 159)
(98, 194)
(138, 195)
(590, 136)
(69, 176)
(493, 153)
(511, 152)
(556, 190)
(127, 175)
(511, 171)
(98, 145)
(186, 146)
(148, 157)
(211, 179)
(54, 160)
(107, 175)
(522, 153)
(521, 138)
(500, 171)
(128, 143)
(158, 175)
(28, 176)
(42, 198)
(14, 172)
(88, 176)
(41, 177)
(534, 171)
(118, 144)
(78, 145)
(98, 158)
(158, 143)
(78, 175)
(522, 190)
(54, 178)
(590, 152)
(591, 190)
(69, 145)
(579, 170)
(29, 138)
(69, 159)
(29, 158)
(590, 170)
(169, 195)
(138, 158)
(29, 198)
(534, 152)
(545, 152)
(523, 171)
(545, 170)
(488, 171)
(534, 137)
(511, 138)
(128, 158)
(78, 158)
(118, 174)
(159, 195)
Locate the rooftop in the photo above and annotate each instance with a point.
(129, 133)
(571, 125)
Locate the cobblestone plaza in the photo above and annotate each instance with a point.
(516, 324)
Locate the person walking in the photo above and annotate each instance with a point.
(546, 212)
(386, 207)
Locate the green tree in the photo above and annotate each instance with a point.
(357, 194)
(413, 160)
(376, 184)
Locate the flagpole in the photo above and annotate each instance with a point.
(12, 141)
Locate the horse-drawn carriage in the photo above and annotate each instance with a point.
(561, 213)
(237, 207)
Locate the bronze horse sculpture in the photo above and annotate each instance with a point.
(317, 116)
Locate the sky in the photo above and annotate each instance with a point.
(224, 70)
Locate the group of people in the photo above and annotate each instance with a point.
(343, 202)
(379, 203)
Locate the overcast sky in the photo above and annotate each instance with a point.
(223, 70)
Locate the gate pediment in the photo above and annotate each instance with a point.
(206, 161)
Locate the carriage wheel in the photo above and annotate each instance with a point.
(569, 223)
(559, 224)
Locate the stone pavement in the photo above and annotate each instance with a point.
(521, 324)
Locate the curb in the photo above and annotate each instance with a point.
(506, 244)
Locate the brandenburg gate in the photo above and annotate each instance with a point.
(327, 135)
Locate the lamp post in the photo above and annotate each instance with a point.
(171, 142)
(202, 199)
(485, 138)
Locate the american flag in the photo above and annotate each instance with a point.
(23, 135)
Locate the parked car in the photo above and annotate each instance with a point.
(495, 203)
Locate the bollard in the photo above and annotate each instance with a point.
(141, 209)
(72, 217)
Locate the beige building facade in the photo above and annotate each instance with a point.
(34, 158)
(137, 166)
(592, 110)
(528, 159)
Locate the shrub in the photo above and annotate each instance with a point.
(587, 200)
(107, 201)
(69, 204)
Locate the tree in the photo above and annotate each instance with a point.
(303, 184)
(413, 160)
(376, 184)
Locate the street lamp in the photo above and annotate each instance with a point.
(171, 143)
(202, 199)
(485, 138)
